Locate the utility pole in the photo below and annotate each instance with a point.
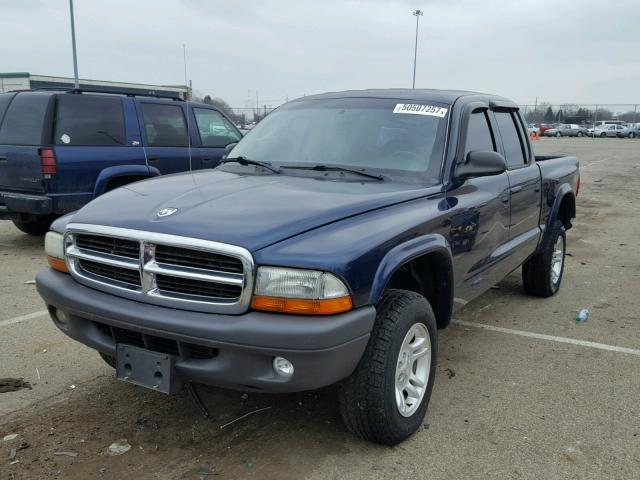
(76, 83)
(417, 14)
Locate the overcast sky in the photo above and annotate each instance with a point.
(559, 51)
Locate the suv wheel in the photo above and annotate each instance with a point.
(632, 135)
(579, 134)
(558, 134)
(386, 398)
(34, 226)
(542, 273)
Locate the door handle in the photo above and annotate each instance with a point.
(3, 159)
(153, 158)
(516, 189)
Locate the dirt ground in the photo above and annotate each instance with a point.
(516, 396)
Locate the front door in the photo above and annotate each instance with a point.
(479, 223)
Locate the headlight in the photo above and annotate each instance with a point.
(54, 248)
(293, 290)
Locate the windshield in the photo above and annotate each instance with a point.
(396, 138)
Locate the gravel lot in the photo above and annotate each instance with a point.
(515, 396)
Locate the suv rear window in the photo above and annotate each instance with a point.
(89, 120)
(165, 125)
(5, 99)
(24, 119)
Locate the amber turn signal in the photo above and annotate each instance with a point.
(300, 306)
(57, 264)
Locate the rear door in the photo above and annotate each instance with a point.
(524, 187)
(164, 131)
(22, 132)
(91, 134)
(214, 133)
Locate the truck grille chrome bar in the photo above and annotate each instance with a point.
(166, 270)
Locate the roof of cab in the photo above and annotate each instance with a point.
(418, 94)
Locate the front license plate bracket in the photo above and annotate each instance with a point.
(153, 370)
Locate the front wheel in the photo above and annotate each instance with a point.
(579, 134)
(542, 273)
(386, 398)
(34, 226)
(632, 135)
(558, 134)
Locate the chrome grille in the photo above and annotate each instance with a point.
(165, 270)
(113, 246)
(108, 272)
(198, 259)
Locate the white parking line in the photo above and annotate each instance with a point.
(22, 318)
(541, 336)
(592, 163)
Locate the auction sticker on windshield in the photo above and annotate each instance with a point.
(417, 109)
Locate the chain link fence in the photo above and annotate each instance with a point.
(581, 114)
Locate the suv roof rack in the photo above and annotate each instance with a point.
(111, 92)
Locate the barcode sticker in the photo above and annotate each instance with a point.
(417, 109)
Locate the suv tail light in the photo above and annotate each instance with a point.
(48, 162)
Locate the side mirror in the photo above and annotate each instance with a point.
(481, 164)
(228, 148)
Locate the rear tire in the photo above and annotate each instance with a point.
(36, 226)
(396, 372)
(632, 135)
(579, 134)
(542, 273)
(558, 134)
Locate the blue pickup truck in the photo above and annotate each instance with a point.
(328, 247)
(60, 150)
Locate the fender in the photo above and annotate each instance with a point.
(108, 174)
(405, 252)
(564, 190)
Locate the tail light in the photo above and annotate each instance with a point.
(578, 186)
(48, 162)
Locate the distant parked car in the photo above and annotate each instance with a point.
(543, 127)
(607, 130)
(566, 130)
(632, 131)
(59, 150)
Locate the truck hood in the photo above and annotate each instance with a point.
(252, 211)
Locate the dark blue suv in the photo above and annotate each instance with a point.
(59, 150)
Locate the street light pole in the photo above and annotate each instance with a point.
(417, 14)
(73, 42)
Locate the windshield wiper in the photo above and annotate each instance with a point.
(327, 168)
(247, 161)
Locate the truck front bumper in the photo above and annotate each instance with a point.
(232, 351)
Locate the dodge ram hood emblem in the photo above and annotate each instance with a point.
(165, 212)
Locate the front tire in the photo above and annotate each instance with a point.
(579, 134)
(542, 273)
(558, 134)
(632, 135)
(34, 226)
(386, 398)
